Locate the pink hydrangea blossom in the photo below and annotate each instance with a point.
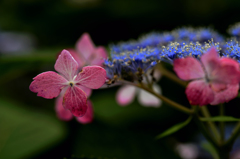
(66, 115)
(127, 93)
(214, 80)
(86, 53)
(50, 84)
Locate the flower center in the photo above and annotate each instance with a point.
(71, 84)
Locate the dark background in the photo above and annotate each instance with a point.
(29, 127)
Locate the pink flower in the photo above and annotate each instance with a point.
(86, 53)
(127, 93)
(66, 115)
(215, 80)
(50, 84)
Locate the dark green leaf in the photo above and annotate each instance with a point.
(25, 133)
(221, 118)
(208, 147)
(174, 129)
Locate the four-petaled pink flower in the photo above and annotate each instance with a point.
(50, 84)
(86, 53)
(215, 80)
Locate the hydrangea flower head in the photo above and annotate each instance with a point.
(214, 80)
(50, 84)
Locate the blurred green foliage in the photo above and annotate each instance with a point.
(24, 132)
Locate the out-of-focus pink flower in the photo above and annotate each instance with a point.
(86, 53)
(66, 115)
(50, 84)
(127, 93)
(215, 80)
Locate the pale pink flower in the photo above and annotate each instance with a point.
(215, 80)
(50, 84)
(86, 53)
(127, 93)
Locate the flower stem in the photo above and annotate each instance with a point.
(233, 136)
(211, 124)
(203, 129)
(163, 98)
(171, 76)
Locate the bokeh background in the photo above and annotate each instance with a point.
(33, 32)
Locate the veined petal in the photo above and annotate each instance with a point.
(199, 93)
(226, 95)
(147, 99)
(62, 113)
(125, 95)
(188, 68)
(66, 65)
(48, 84)
(211, 62)
(76, 101)
(227, 72)
(78, 58)
(88, 91)
(85, 46)
(92, 77)
(88, 117)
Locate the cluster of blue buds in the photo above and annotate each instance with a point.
(133, 64)
(232, 50)
(130, 60)
(234, 30)
(181, 35)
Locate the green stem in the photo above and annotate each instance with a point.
(222, 124)
(203, 129)
(233, 136)
(211, 124)
(163, 98)
(171, 76)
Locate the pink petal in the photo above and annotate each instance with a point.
(48, 84)
(76, 101)
(211, 62)
(92, 77)
(66, 65)
(188, 68)
(62, 113)
(149, 100)
(88, 91)
(125, 95)
(78, 58)
(98, 56)
(88, 117)
(227, 68)
(218, 87)
(226, 95)
(85, 46)
(199, 93)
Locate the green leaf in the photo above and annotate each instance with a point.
(26, 132)
(220, 118)
(208, 147)
(174, 129)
